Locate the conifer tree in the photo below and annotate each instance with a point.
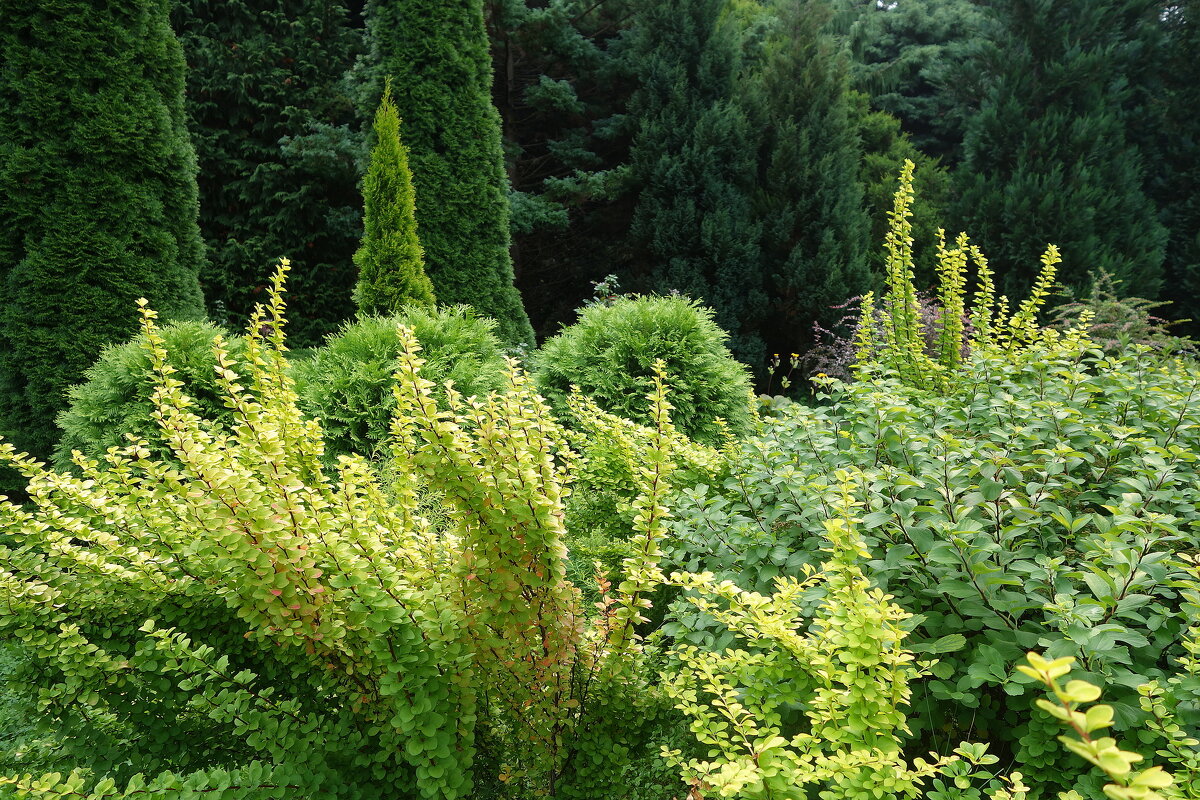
(436, 53)
(277, 139)
(562, 87)
(910, 58)
(1048, 158)
(885, 149)
(807, 192)
(1175, 174)
(693, 161)
(391, 270)
(97, 195)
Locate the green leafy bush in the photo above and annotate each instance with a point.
(240, 622)
(846, 669)
(1068, 707)
(1039, 504)
(347, 383)
(610, 354)
(116, 401)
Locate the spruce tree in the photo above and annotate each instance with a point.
(436, 53)
(911, 58)
(391, 270)
(97, 195)
(562, 88)
(808, 198)
(1048, 158)
(693, 162)
(277, 139)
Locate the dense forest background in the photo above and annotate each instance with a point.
(743, 153)
(740, 152)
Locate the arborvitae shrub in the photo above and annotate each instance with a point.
(391, 263)
(347, 384)
(610, 353)
(436, 54)
(97, 195)
(116, 397)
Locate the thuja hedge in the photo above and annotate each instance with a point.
(236, 623)
(114, 401)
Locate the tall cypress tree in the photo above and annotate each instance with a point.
(436, 53)
(390, 261)
(1175, 170)
(807, 191)
(97, 195)
(277, 139)
(1048, 158)
(693, 161)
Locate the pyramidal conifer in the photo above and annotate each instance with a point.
(438, 57)
(391, 263)
(98, 198)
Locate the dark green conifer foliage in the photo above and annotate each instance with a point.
(911, 57)
(885, 149)
(562, 88)
(97, 195)
(815, 229)
(391, 271)
(277, 139)
(1048, 158)
(693, 160)
(1175, 177)
(436, 53)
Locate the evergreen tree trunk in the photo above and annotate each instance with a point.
(97, 195)
(1048, 158)
(436, 53)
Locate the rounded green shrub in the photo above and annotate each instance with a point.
(114, 399)
(347, 383)
(610, 353)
